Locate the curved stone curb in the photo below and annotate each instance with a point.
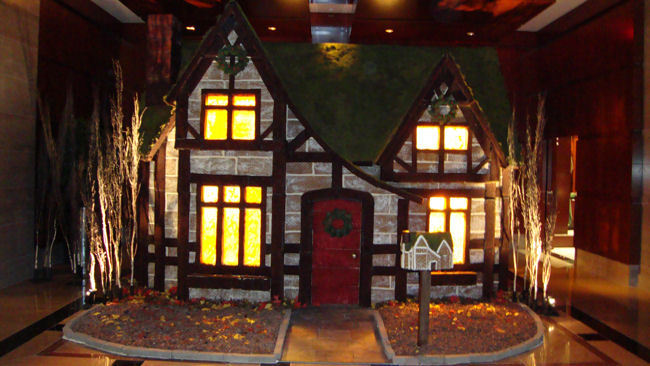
(166, 354)
(454, 359)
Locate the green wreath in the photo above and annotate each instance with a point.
(232, 68)
(436, 104)
(336, 215)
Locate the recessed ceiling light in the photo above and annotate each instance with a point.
(389, 30)
(190, 28)
(471, 34)
(271, 28)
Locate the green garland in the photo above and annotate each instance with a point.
(232, 68)
(337, 214)
(434, 109)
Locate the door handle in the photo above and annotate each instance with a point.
(354, 255)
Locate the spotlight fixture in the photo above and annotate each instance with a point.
(190, 28)
(470, 34)
(271, 28)
(389, 30)
(551, 301)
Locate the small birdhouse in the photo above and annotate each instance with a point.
(426, 251)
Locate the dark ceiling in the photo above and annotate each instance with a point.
(439, 22)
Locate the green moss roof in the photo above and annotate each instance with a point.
(355, 96)
(433, 240)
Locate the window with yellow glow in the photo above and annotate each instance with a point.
(456, 137)
(230, 115)
(427, 138)
(223, 239)
(450, 214)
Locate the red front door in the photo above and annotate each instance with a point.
(336, 252)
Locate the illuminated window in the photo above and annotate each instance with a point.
(450, 214)
(223, 239)
(230, 115)
(427, 137)
(456, 138)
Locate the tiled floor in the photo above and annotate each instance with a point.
(624, 308)
(344, 336)
(24, 304)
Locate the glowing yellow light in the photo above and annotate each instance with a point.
(436, 222)
(458, 203)
(209, 235)
(231, 194)
(243, 125)
(244, 100)
(230, 240)
(437, 203)
(252, 238)
(457, 227)
(210, 194)
(428, 138)
(456, 138)
(388, 30)
(220, 100)
(254, 194)
(271, 28)
(216, 124)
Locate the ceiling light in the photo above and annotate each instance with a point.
(271, 28)
(190, 28)
(471, 34)
(389, 30)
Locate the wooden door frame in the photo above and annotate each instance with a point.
(306, 243)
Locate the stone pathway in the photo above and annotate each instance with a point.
(335, 333)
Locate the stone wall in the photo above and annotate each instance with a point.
(18, 65)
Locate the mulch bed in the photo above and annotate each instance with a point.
(154, 320)
(458, 326)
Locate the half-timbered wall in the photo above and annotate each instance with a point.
(302, 176)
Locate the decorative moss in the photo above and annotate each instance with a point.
(154, 120)
(353, 96)
(356, 96)
(433, 240)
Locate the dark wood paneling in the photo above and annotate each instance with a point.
(589, 73)
(78, 42)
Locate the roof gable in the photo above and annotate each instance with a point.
(448, 72)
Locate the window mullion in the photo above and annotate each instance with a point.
(229, 124)
(441, 152)
(242, 228)
(220, 226)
